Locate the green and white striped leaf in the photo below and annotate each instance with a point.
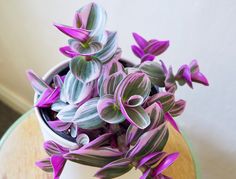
(74, 91)
(109, 111)
(178, 108)
(85, 70)
(58, 105)
(67, 113)
(155, 72)
(98, 157)
(110, 84)
(156, 115)
(136, 116)
(136, 83)
(115, 169)
(151, 141)
(87, 117)
(109, 49)
(166, 99)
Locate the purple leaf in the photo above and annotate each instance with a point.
(45, 165)
(75, 33)
(109, 111)
(151, 159)
(164, 67)
(48, 97)
(147, 57)
(68, 51)
(165, 163)
(115, 169)
(178, 108)
(59, 125)
(184, 75)
(137, 51)
(170, 119)
(156, 47)
(38, 84)
(53, 148)
(58, 163)
(140, 40)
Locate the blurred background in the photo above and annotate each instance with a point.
(197, 29)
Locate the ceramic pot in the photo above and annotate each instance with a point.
(71, 170)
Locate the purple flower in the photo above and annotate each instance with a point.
(148, 50)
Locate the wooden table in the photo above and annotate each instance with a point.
(21, 146)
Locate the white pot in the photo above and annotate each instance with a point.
(71, 170)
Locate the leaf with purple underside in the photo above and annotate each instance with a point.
(146, 174)
(137, 51)
(165, 163)
(151, 159)
(156, 47)
(87, 116)
(53, 148)
(59, 125)
(85, 70)
(73, 32)
(68, 51)
(58, 163)
(154, 71)
(184, 76)
(115, 169)
(98, 157)
(140, 40)
(109, 111)
(74, 91)
(178, 108)
(171, 120)
(151, 141)
(45, 165)
(48, 97)
(38, 84)
(166, 99)
(196, 75)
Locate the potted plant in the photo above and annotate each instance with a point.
(99, 110)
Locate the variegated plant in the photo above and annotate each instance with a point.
(117, 113)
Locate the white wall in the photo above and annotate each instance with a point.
(201, 29)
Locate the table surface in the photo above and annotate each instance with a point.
(21, 146)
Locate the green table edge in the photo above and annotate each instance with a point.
(23, 117)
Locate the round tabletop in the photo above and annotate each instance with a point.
(21, 146)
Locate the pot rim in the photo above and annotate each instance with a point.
(48, 77)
